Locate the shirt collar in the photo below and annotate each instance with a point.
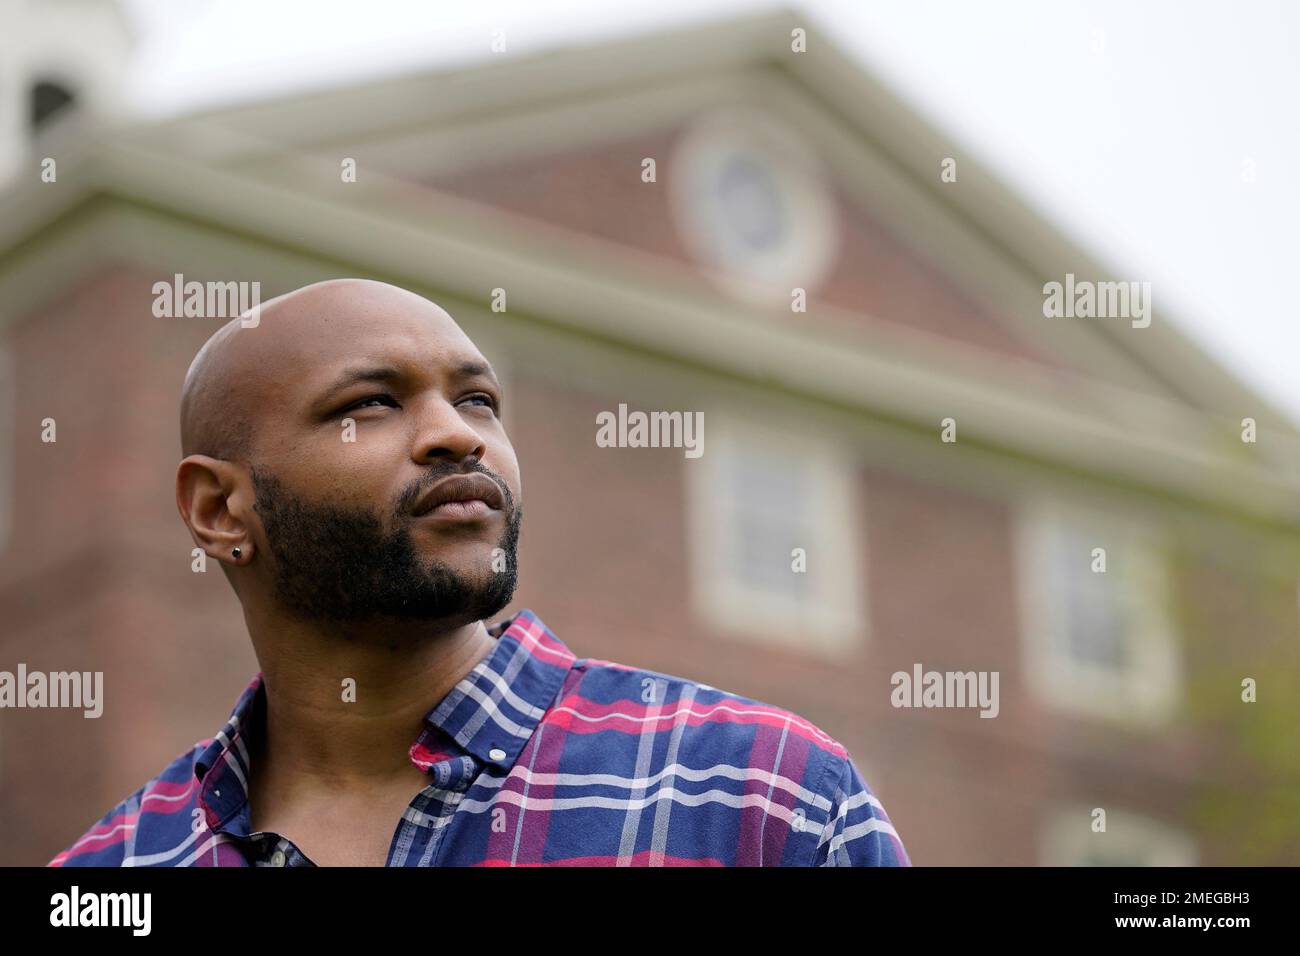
(494, 710)
(491, 713)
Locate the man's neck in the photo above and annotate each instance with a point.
(343, 708)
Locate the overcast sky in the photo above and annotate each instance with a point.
(1157, 133)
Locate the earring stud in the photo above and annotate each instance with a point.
(236, 553)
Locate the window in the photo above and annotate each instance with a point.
(1098, 642)
(1130, 839)
(749, 203)
(775, 543)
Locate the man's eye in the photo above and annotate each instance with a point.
(487, 400)
(365, 402)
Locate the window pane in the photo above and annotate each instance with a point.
(751, 203)
(1097, 629)
(769, 514)
(765, 558)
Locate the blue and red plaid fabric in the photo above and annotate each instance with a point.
(539, 758)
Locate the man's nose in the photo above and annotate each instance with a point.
(445, 434)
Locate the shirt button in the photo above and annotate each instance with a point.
(496, 753)
(277, 858)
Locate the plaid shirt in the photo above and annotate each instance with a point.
(540, 758)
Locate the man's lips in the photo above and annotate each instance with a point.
(460, 510)
(461, 498)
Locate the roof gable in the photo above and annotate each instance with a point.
(490, 131)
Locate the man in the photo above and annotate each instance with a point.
(345, 463)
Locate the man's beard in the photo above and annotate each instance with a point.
(338, 564)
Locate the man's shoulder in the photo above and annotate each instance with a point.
(741, 752)
(739, 763)
(705, 717)
(162, 807)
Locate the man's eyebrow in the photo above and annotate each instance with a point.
(383, 373)
(472, 369)
(390, 374)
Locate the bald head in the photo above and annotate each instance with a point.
(215, 419)
(240, 371)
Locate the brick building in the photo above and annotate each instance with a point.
(798, 263)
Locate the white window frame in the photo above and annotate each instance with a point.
(1067, 838)
(1148, 690)
(832, 621)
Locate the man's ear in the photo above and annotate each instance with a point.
(215, 499)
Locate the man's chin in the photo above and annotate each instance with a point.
(476, 597)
